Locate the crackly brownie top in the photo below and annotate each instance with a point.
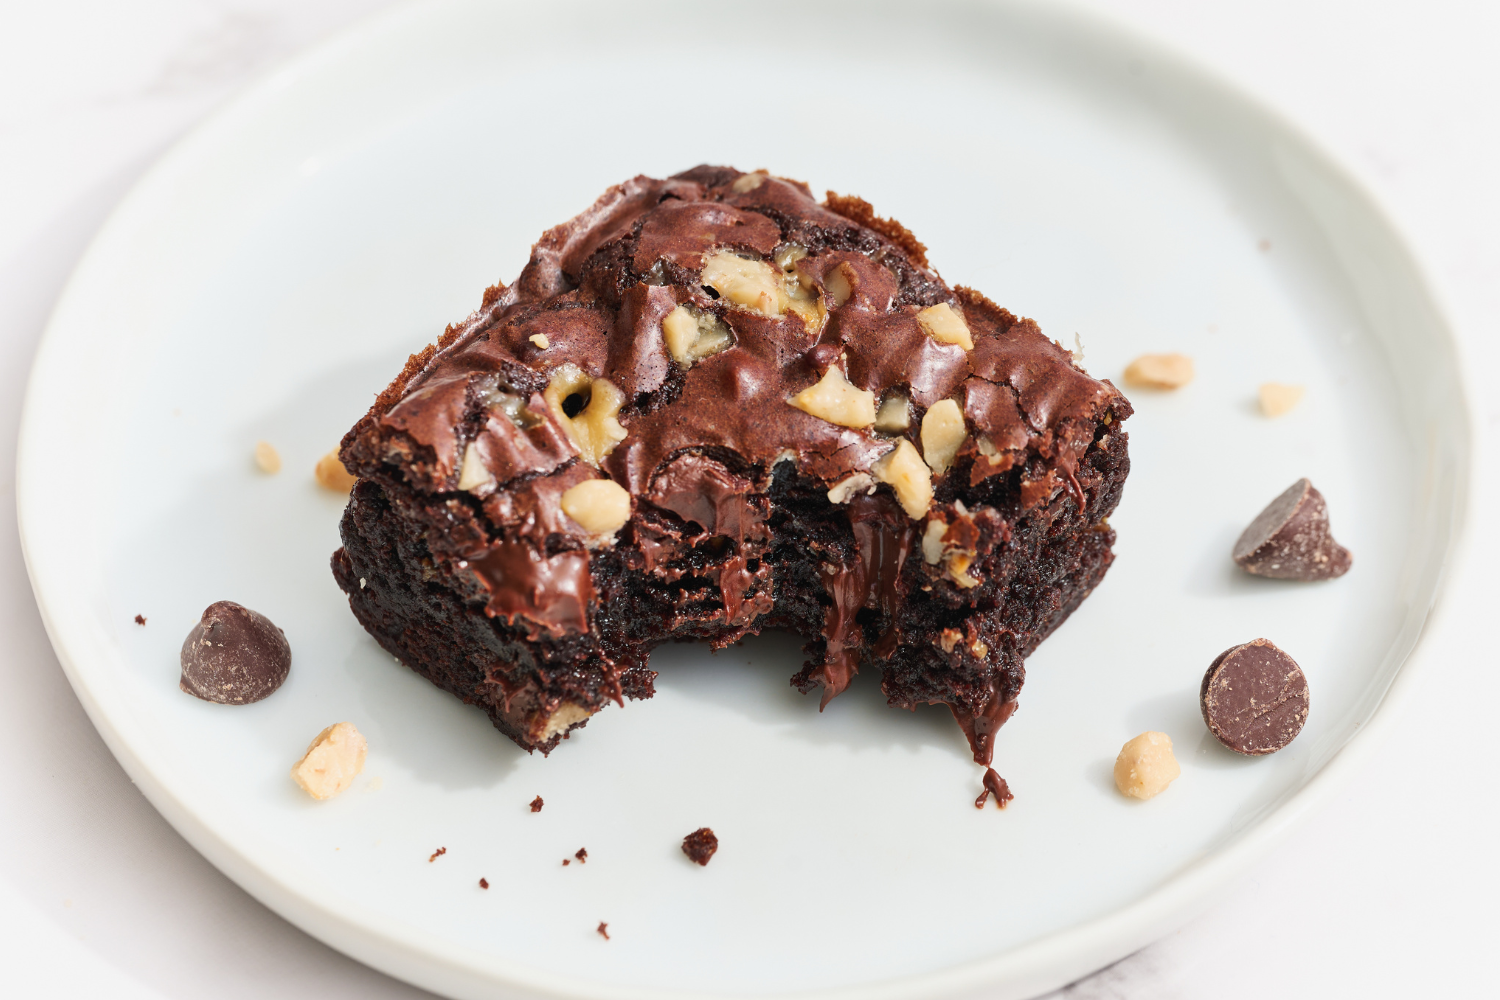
(727, 316)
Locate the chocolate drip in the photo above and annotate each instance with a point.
(981, 726)
(883, 536)
(996, 784)
(553, 592)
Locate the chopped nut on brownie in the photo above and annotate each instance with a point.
(833, 399)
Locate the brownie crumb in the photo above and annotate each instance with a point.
(140, 619)
(437, 854)
(484, 883)
(536, 804)
(700, 845)
(603, 930)
(582, 855)
(567, 862)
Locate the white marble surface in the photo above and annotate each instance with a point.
(1386, 892)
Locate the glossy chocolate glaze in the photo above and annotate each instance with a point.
(704, 443)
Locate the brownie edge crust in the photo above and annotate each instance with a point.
(712, 405)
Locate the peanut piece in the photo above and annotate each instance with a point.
(473, 475)
(833, 399)
(894, 415)
(749, 284)
(600, 506)
(693, 336)
(266, 458)
(1146, 766)
(1277, 399)
(595, 431)
(332, 762)
(1160, 371)
(838, 285)
(905, 471)
(332, 475)
(943, 324)
(841, 491)
(540, 340)
(943, 430)
(747, 182)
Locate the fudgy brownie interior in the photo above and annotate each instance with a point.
(711, 405)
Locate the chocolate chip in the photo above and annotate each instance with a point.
(700, 845)
(234, 656)
(1289, 540)
(1254, 698)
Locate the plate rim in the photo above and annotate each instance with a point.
(1024, 970)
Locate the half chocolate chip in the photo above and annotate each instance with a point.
(1254, 698)
(234, 656)
(1290, 540)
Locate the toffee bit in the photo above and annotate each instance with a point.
(484, 883)
(437, 854)
(536, 804)
(603, 930)
(140, 619)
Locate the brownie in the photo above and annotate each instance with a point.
(712, 405)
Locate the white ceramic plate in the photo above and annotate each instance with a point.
(274, 270)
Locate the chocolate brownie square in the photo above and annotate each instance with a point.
(712, 405)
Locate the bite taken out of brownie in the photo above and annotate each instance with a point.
(711, 405)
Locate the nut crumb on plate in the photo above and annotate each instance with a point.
(332, 762)
(1277, 398)
(1146, 766)
(1160, 371)
(332, 475)
(266, 458)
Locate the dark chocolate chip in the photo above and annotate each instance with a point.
(700, 845)
(1254, 698)
(234, 656)
(1289, 540)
